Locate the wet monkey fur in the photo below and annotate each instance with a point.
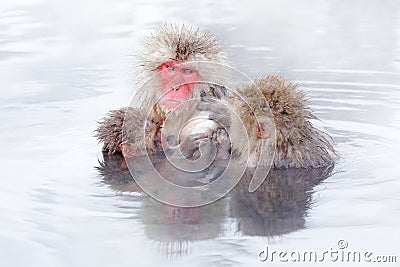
(169, 59)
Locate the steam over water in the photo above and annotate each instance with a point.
(64, 64)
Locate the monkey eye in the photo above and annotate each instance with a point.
(188, 71)
(171, 68)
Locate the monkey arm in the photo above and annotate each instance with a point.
(109, 131)
(127, 130)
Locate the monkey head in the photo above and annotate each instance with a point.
(175, 64)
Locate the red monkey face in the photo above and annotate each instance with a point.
(176, 80)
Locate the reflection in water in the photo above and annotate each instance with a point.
(277, 207)
(175, 228)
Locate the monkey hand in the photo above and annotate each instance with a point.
(219, 112)
(191, 144)
(128, 151)
(223, 143)
(218, 91)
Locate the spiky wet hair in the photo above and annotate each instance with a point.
(180, 44)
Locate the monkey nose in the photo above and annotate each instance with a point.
(178, 81)
(180, 87)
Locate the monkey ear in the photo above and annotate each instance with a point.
(262, 130)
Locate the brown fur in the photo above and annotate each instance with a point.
(298, 143)
(140, 128)
(126, 125)
(250, 106)
(109, 131)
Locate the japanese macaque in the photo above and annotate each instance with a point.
(298, 144)
(171, 72)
